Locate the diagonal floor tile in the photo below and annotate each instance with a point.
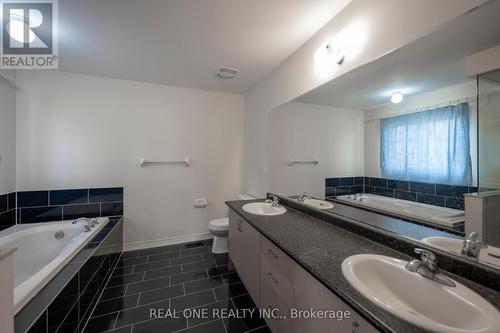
(198, 285)
(161, 294)
(192, 300)
(216, 326)
(156, 273)
(148, 285)
(163, 325)
(115, 304)
(189, 276)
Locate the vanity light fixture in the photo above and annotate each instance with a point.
(226, 72)
(397, 97)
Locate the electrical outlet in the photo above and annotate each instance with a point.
(200, 203)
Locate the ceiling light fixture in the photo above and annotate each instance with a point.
(336, 51)
(226, 72)
(396, 98)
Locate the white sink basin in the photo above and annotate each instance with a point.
(489, 254)
(320, 204)
(263, 208)
(418, 300)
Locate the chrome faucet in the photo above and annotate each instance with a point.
(90, 222)
(428, 268)
(357, 196)
(274, 201)
(303, 197)
(472, 245)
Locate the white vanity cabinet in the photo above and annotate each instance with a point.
(275, 281)
(289, 287)
(244, 252)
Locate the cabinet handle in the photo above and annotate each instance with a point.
(240, 229)
(272, 278)
(272, 253)
(355, 326)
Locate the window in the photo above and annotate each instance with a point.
(431, 146)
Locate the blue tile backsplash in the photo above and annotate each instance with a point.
(7, 210)
(40, 214)
(68, 197)
(435, 194)
(109, 194)
(58, 205)
(32, 198)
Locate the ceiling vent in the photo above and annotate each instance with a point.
(226, 72)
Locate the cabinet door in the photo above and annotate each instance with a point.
(250, 258)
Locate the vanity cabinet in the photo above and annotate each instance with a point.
(244, 250)
(287, 286)
(276, 281)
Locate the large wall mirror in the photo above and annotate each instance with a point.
(408, 137)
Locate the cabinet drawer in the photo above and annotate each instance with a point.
(275, 256)
(277, 280)
(269, 301)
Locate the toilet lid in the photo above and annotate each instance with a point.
(220, 223)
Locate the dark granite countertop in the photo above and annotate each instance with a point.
(320, 247)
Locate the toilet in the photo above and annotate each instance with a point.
(220, 229)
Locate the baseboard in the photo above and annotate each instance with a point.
(165, 241)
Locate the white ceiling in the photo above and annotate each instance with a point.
(182, 42)
(432, 62)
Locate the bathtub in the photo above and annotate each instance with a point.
(40, 255)
(433, 215)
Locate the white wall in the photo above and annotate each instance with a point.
(412, 104)
(306, 131)
(482, 62)
(383, 27)
(7, 137)
(489, 134)
(81, 131)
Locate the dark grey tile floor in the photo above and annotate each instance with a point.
(177, 277)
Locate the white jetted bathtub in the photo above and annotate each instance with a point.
(429, 214)
(41, 254)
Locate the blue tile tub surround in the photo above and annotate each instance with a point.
(106, 194)
(7, 210)
(443, 195)
(66, 302)
(32, 198)
(68, 197)
(57, 205)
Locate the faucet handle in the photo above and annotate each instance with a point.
(274, 200)
(474, 237)
(428, 258)
(425, 254)
(472, 245)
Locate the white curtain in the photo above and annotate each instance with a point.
(431, 146)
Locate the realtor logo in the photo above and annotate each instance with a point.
(29, 34)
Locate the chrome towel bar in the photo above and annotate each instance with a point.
(144, 163)
(293, 162)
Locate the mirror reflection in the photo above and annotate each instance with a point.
(408, 143)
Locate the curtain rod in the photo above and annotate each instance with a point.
(427, 108)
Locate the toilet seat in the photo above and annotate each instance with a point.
(219, 224)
